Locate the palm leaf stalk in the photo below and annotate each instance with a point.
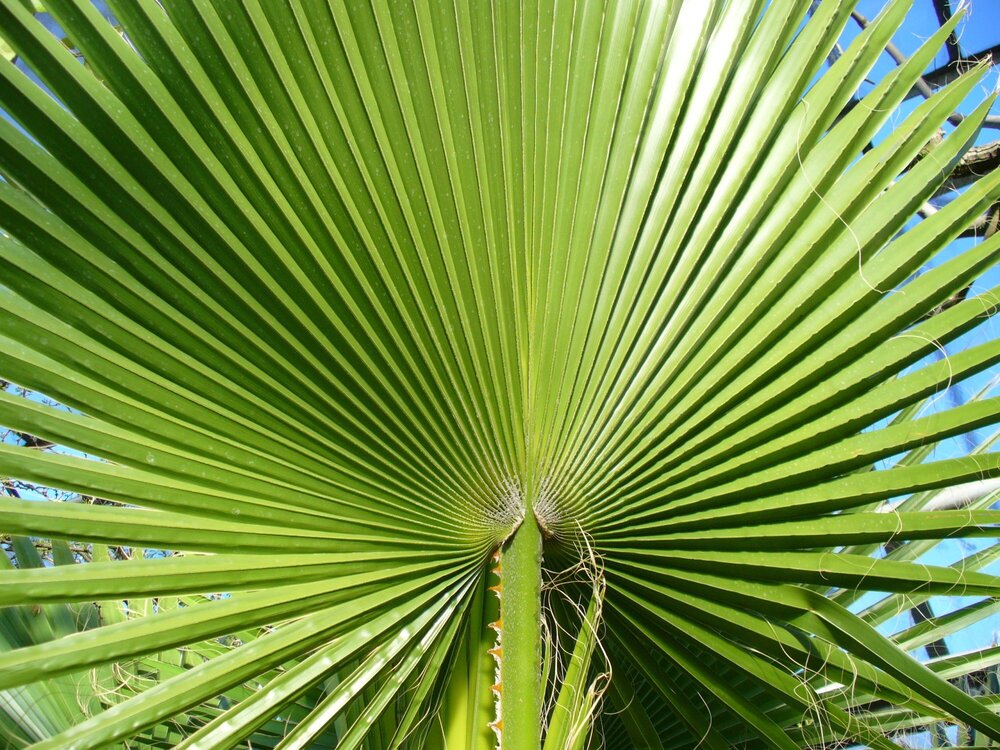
(345, 298)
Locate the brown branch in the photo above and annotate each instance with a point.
(977, 162)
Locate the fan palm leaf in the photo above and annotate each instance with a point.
(343, 298)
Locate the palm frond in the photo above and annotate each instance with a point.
(342, 297)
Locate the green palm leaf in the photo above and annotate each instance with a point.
(343, 298)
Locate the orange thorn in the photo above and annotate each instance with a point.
(498, 625)
(496, 653)
(498, 589)
(498, 688)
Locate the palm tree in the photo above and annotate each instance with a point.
(364, 309)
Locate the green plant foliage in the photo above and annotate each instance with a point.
(343, 295)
